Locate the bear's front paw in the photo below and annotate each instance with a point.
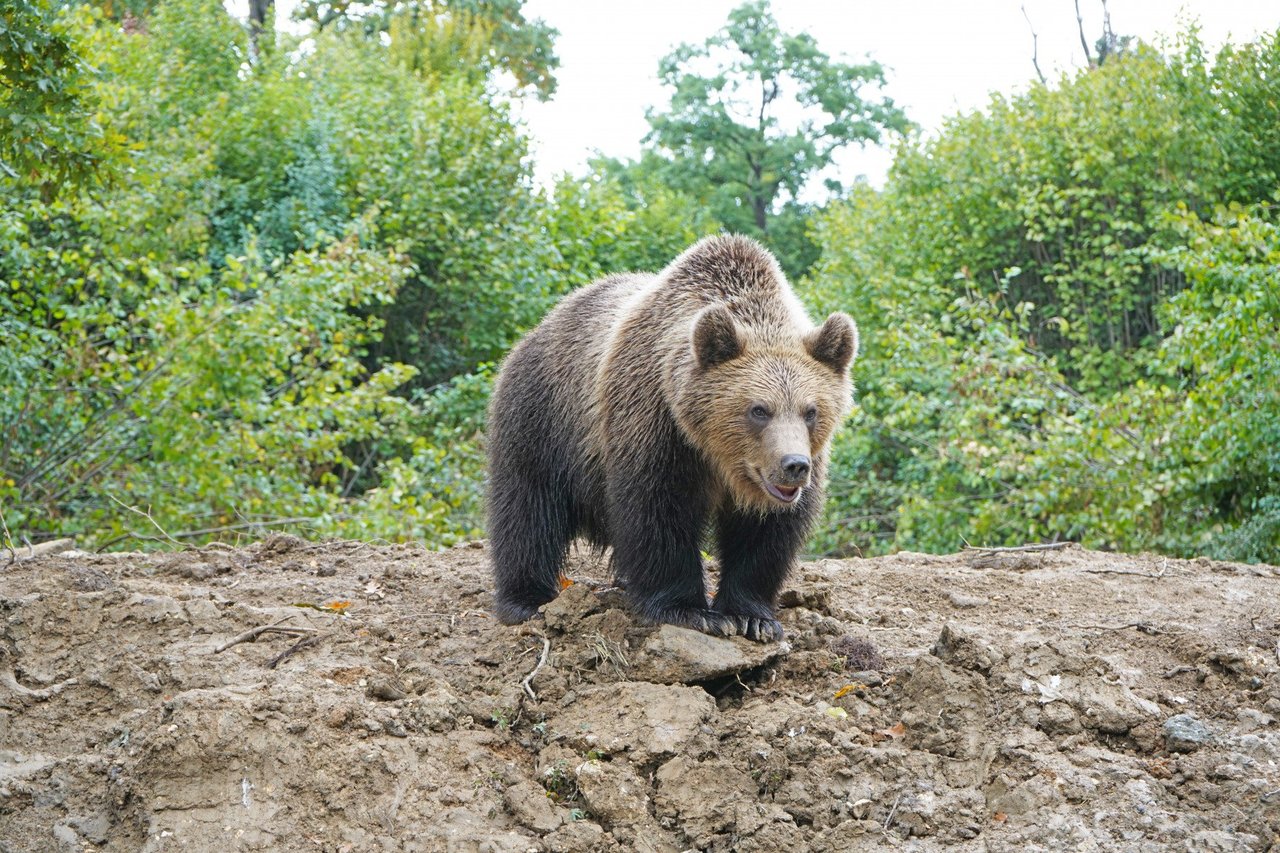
(760, 629)
(755, 624)
(699, 619)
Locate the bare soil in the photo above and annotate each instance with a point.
(1061, 700)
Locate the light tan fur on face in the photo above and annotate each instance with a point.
(785, 362)
(714, 413)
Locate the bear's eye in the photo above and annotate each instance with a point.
(811, 415)
(758, 413)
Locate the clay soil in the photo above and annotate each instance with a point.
(1061, 700)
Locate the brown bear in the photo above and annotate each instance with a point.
(645, 411)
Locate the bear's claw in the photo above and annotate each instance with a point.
(706, 621)
(760, 630)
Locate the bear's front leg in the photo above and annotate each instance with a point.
(756, 554)
(657, 512)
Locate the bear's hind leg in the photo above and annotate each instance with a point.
(529, 535)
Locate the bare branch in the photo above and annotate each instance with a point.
(7, 540)
(274, 628)
(542, 661)
(1083, 41)
(1045, 546)
(294, 649)
(1035, 49)
(147, 516)
(1108, 41)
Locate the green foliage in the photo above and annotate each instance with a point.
(241, 296)
(282, 304)
(450, 168)
(721, 139)
(1057, 344)
(471, 38)
(1072, 191)
(206, 339)
(628, 222)
(48, 135)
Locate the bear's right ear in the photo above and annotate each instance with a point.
(715, 337)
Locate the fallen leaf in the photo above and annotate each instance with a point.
(894, 732)
(565, 583)
(848, 688)
(337, 606)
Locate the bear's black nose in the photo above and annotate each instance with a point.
(795, 466)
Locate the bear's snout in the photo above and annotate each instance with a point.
(795, 469)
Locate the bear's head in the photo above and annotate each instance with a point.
(762, 410)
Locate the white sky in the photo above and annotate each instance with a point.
(943, 56)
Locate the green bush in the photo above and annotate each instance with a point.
(1042, 303)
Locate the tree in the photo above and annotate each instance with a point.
(523, 48)
(722, 136)
(47, 131)
(261, 20)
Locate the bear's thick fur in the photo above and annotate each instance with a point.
(647, 410)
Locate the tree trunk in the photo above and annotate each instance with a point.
(757, 205)
(261, 20)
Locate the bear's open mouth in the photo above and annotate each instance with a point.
(786, 494)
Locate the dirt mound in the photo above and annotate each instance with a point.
(997, 701)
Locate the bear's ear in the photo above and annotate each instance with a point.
(835, 343)
(715, 337)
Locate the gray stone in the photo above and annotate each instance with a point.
(959, 599)
(640, 719)
(1104, 706)
(579, 837)
(1059, 718)
(674, 655)
(965, 648)
(616, 795)
(529, 804)
(570, 606)
(1184, 733)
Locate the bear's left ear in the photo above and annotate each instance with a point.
(835, 343)
(715, 337)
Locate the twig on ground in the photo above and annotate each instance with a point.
(1269, 795)
(8, 538)
(53, 546)
(206, 531)
(1039, 546)
(1143, 627)
(542, 660)
(1178, 670)
(1156, 575)
(253, 633)
(893, 811)
(303, 643)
